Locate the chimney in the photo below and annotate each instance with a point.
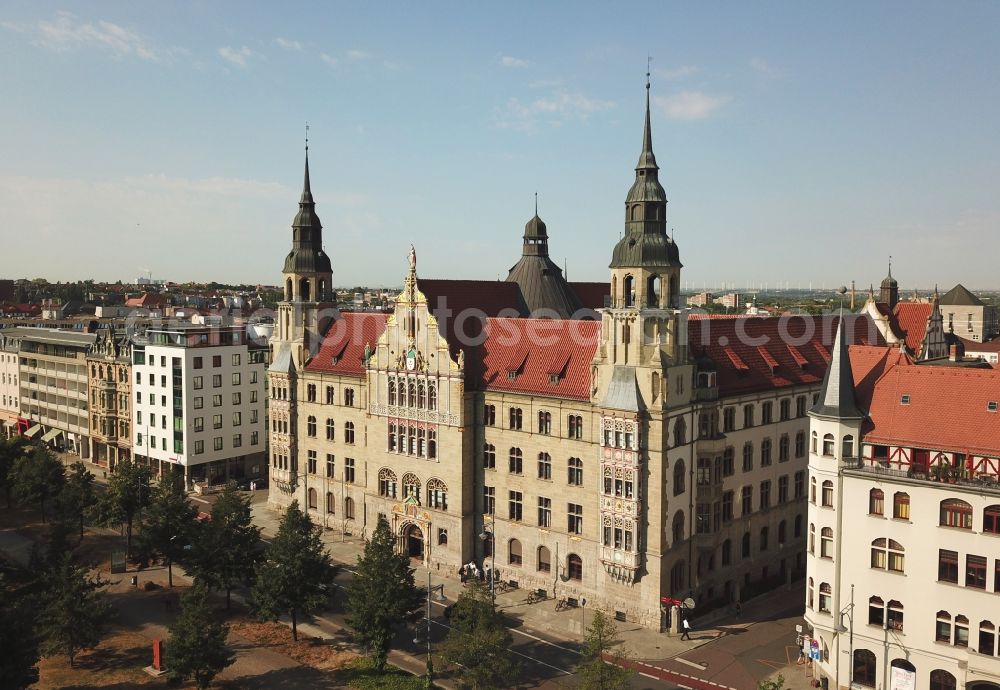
(953, 353)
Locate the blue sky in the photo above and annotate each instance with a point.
(798, 142)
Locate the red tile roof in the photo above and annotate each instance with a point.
(533, 348)
(343, 347)
(463, 305)
(868, 364)
(976, 346)
(591, 295)
(754, 354)
(150, 299)
(946, 409)
(911, 320)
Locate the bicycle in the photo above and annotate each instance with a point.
(562, 605)
(535, 597)
(500, 587)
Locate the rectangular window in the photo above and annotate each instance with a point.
(197, 383)
(217, 443)
(199, 447)
(515, 418)
(237, 398)
(747, 416)
(349, 397)
(237, 418)
(199, 423)
(727, 507)
(766, 413)
(349, 470)
(216, 401)
(574, 523)
(515, 506)
(330, 469)
(217, 360)
(489, 415)
(489, 500)
(544, 466)
(800, 484)
(783, 489)
(216, 380)
(236, 378)
(236, 359)
(948, 566)
(253, 397)
(544, 512)
(237, 440)
(975, 571)
(199, 402)
(311, 462)
(746, 500)
(729, 419)
(765, 494)
(254, 438)
(217, 421)
(253, 416)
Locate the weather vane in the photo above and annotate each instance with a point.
(307, 136)
(649, 61)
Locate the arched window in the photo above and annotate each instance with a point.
(828, 445)
(782, 532)
(349, 508)
(678, 527)
(680, 432)
(901, 505)
(312, 499)
(437, 494)
(442, 537)
(331, 503)
(387, 483)
(828, 493)
(288, 290)
(574, 567)
(826, 542)
(942, 680)
(991, 519)
(411, 486)
(847, 447)
(745, 545)
(514, 552)
(798, 526)
(987, 639)
(421, 396)
(887, 554)
(653, 291)
(679, 477)
(961, 631)
(809, 593)
(942, 632)
(876, 502)
(876, 611)
(894, 612)
(956, 513)
(763, 538)
(411, 397)
(727, 552)
(432, 397)
(304, 290)
(824, 597)
(812, 490)
(544, 559)
(814, 441)
(863, 672)
(392, 392)
(629, 287)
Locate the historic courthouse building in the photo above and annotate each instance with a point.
(588, 437)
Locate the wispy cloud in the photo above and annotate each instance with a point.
(689, 105)
(765, 68)
(329, 59)
(66, 32)
(555, 110)
(511, 61)
(236, 56)
(677, 73)
(354, 55)
(287, 43)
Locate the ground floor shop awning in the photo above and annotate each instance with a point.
(51, 435)
(33, 431)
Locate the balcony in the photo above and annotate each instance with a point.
(958, 477)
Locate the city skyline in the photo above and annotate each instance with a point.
(184, 125)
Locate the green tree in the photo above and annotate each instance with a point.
(38, 477)
(296, 574)
(74, 612)
(594, 672)
(127, 494)
(77, 496)
(225, 551)
(19, 660)
(382, 595)
(197, 647)
(10, 451)
(479, 642)
(169, 523)
(772, 684)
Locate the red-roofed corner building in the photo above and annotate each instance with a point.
(904, 516)
(630, 460)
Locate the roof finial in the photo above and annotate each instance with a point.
(307, 138)
(536, 203)
(890, 265)
(646, 159)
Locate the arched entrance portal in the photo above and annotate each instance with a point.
(983, 686)
(413, 540)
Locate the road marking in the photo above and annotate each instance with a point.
(694, 664)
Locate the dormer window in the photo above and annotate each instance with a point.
(905, 400)
(511, 374)
(991, 406)
(554, 379)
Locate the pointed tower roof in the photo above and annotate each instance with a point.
(889, 281)
(307, 255)
(836, 396)
(541, 281)
(647, 161)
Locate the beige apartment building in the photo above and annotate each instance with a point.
(616, 451)
(109, 363)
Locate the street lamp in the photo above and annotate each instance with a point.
(491, 536)
(416, 639)
(840, 629)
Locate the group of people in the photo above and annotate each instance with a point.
(471, 570)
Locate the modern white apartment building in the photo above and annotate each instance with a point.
(199, 402)
(10, 397)
(903, 581)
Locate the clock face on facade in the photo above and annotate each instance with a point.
(411, 360)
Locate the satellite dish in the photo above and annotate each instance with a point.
(689, 603)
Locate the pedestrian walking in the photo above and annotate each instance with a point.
(461, 574)
(686, 635)
(739, 609)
